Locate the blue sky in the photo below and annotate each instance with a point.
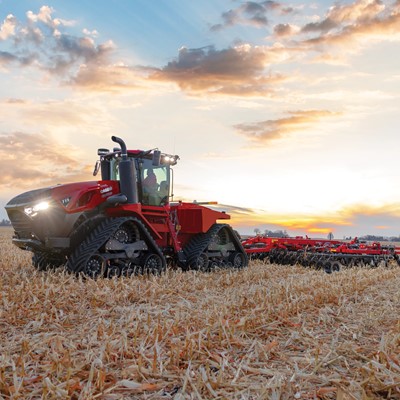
(284, 112)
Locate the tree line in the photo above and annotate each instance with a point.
(375, 238)
(278, 234)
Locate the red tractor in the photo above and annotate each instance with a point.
(123, 223)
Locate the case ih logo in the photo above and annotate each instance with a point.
(106, 190)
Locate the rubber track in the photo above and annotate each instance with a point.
(83, 230)
(99, 236)
(43, 261)
(199, 243)
(92, 243)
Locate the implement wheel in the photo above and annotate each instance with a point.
(328, 267)
(335, 266)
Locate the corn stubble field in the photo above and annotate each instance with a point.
(264, 332)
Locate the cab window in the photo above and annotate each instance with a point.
(155, 184)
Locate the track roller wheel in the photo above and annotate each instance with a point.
(153, 264)
(95, 266)
(199, 263)
(213, 265)
(238, 260)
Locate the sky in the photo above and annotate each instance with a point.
(286, 113)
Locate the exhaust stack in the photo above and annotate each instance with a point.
(127, 173)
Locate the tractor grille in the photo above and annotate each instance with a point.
(21, 224)
(48, 223)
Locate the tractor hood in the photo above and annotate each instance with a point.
(55, 211)
(72, 197)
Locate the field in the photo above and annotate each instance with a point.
(266, 332)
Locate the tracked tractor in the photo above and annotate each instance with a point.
(123, 224)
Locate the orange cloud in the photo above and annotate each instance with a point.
(107, 78)
(319, 230)
(347, 25)
(268, 130)
(353, 220)
(358, 13)
(234, 71)
(56, 116)
(32, 161)
(249, 218)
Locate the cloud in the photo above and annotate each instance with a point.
(351, 27)
(7, 28)
(109, 78)
(6, 58)
(45, 16)
(247, 219)
(284, 30)
(353, 220)
(323, 26)
(15, 101)
(361, 12)
(41, 41)
(351, 24)
(237, 70)
(234, 210)
(265, 131)
(71, 117)
(92, 33)
(31, 161)
(250, 13)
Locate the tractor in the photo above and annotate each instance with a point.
(124, 224)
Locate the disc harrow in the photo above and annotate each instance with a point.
(327, 255)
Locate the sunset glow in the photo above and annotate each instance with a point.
(286, 113)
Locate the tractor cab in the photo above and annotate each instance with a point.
(152, 177)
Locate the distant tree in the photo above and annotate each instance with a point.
(330, 236)
(378, 238)
(5, 222)
(257, 231)
(279, 233)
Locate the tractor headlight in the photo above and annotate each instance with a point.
(32, 211)
(169, 159)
